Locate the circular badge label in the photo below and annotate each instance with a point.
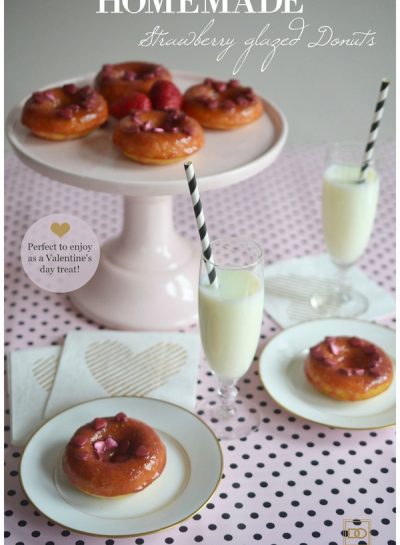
(60, 253)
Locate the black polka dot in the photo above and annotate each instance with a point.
(36, 318)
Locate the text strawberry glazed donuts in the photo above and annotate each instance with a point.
(114, 456)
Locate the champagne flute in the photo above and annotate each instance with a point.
(348, 211)
(230, 315)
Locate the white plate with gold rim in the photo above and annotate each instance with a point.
(281, 369)
(191, 475)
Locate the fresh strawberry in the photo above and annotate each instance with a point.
(164, 95)
(135, 101)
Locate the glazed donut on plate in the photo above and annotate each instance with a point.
(220, 105)
(114, 456)
(158, 137)
(117, 80)
(348, 368)
(64, 113)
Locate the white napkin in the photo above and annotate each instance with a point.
(103, 363)
(30, 378)
(290, 284)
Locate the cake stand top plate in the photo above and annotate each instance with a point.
(95, 163)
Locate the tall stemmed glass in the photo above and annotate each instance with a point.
(348, 213)
(230, 313)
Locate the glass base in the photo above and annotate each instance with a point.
(344, 304)
(234, 424)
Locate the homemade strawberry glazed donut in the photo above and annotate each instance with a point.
(117, 80)
(348, 368)
(220, 105)
(114, 456)
(64, 113)
(158, 137)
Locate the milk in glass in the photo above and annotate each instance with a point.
(230, 321)
(348, 211)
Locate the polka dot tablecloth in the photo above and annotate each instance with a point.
(291, 481)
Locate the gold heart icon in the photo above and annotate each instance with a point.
(60, 229)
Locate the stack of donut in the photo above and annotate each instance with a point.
(155, 123)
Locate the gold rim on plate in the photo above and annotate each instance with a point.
(172, 525)
(290, 411)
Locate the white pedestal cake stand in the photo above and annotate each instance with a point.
(147, 276)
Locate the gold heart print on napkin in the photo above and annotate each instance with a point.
(44, 370)
(121, 372)
(60, 229)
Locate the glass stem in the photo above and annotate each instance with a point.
(343, 285)
(227, 392)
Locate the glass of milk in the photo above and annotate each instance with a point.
(230, 315)
(348, 214)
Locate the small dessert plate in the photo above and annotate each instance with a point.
(281, 369)
(191, 475)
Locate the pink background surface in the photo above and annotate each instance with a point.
(290, 482)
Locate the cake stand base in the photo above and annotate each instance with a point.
(147, 277)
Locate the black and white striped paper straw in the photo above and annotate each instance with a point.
(201, 224)
(373, 132)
